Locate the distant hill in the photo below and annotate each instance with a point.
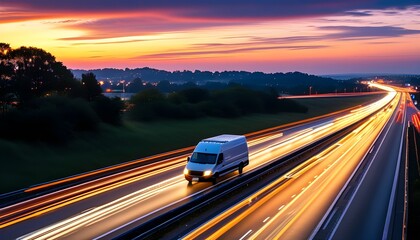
(201, 77)
(354, 76)
(166, 81)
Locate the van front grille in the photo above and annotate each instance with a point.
(196, 173)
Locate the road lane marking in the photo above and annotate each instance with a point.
(246, 234)
(316, 230)
(371, 150)
(265, 220)
(361, 180)
(394, 185)
(329, 219)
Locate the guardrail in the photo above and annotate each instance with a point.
(10, 198)
(153, 228)
(55, 185)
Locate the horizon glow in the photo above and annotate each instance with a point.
(383, 40)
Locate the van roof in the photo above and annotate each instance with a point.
(223, 138)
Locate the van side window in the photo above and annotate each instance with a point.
(220, 158)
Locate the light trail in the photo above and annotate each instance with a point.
(119, 166)
(155, 170)
(292, 141)
(96, 214)
(242, 210)
(263, 198)
(29, 207)
(83, 195)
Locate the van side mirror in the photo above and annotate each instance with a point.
(188, 159)
(220, 158)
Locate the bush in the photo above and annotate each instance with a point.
(232, 102)
(288, 105)
(52, 119)
(245, 101)
(195, 95)
(108, 109)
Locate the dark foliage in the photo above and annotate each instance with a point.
(42, 101)
(232, 102)
(91, 86)
(51, 119)
(169, 82)
(191, 95)
(109, 110)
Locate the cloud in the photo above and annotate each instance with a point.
(106, 19)
(354, 33)
(107, 42)
(123, 26)
(340, 33)
(358, 13)
(215, 9)
(253, 41)
(200, 53)
(93, 57)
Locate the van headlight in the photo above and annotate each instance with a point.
(186, 171)
(207, 173)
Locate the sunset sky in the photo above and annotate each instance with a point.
(317, 37)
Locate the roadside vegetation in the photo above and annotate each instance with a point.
(193, 103)
(40, 100)
(53, 125)
(413, 231)
(25, 164)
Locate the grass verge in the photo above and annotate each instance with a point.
(413, 230)
(25, 164)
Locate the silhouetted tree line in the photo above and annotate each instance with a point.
(288, 83)
(231, 102)
(41, 100)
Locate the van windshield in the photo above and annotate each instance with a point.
(204, 158)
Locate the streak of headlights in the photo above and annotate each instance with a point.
(265, 194)
(294, 140)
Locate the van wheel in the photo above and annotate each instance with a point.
(214, 180)
(241, 168)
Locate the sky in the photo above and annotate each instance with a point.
(316, 37)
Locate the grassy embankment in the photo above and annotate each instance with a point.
(414, 185)
(27, 164)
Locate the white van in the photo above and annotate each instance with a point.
(215, 157)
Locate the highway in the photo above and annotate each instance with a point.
(353, 190)
(331, 95)
(298, 200)
(108, 207)
(372, 206)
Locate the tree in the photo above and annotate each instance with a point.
(195, 95)
(32, 72)
(91, 86)
(135, 86)
(164, 86)
(6, 71)
(109, 109)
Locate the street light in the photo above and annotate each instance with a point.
(123, 83)
(310, 89)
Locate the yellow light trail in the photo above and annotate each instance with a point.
(285, 180)
(82, 196)
(43, 206)
(355, 142)
(299, 141)
(62, 228)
